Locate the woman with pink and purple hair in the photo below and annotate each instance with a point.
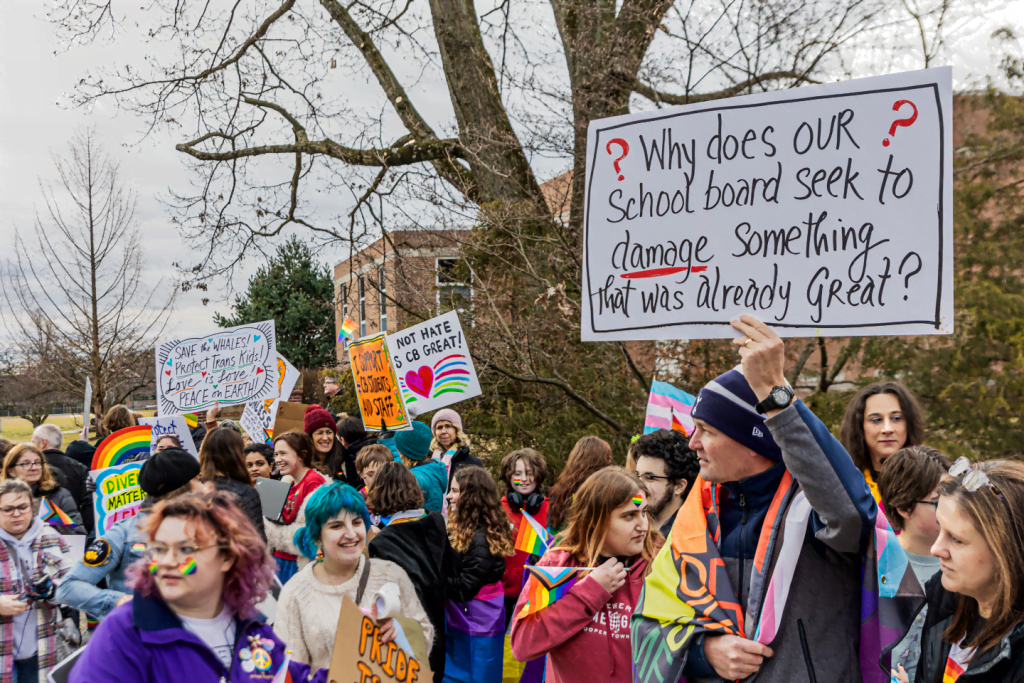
(193, 613)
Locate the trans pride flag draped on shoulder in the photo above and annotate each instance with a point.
(688, 591)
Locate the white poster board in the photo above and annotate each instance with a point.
(821, 210)
(87, 408)
(231, 366)
(176, 425)
(258, 417)
(433, 364)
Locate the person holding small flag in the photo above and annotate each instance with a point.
(523, 473)
(58, 509)
(475, 611)
(576, 606)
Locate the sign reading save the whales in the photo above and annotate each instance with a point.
(433, 364)
(230, 366)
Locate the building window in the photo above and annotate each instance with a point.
(453, 293)
(362, 306)
(383, 294)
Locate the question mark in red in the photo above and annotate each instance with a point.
(625, 150)
(900, 122)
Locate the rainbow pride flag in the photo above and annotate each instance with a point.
(547, 585)
(348, 330)
(669, 408)
(533, 538)
(51, 514)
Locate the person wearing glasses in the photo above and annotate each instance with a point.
(32, 560)
(26, 462)
(909, 483)
(192, 615)
(167, 474)
(666, 464)
(974, 629)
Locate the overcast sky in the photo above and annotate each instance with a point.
(32, 125)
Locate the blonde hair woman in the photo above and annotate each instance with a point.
(451, 446)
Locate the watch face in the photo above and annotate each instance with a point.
(780, 396)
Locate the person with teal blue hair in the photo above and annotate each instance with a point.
(334, 536)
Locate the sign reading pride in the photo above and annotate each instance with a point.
(820, 210)
(231, 366)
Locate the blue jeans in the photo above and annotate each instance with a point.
(26, 670)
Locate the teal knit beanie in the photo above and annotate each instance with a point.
(414, 444)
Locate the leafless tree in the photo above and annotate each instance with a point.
(256, 90)
(79, 302)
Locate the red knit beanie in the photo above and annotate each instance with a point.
(317, 418)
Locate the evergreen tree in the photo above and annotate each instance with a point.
(298, 293)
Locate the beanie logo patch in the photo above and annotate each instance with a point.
(757, 433)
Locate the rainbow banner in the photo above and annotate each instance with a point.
(546, 586)
(348, 330)
(122, 446)
(669, 408)
(533, 538)
(52, 514)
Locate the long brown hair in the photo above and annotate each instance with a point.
(395, 489)
(599, 496)
(222, 455)
(589, 455)
(852, 433)
(479, 507)
(118, 417)
(1001, 523)
(46, 481)
(533, 461)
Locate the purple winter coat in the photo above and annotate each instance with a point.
(145, 641)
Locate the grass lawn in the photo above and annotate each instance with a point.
(18, 430)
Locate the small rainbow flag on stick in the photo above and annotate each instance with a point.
(348, 330)
(51, 514)
(546, 585)
(533, 538)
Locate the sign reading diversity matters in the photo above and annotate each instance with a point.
(231, 366)
(380, 399)
(433, 363)
(360, 657)
(118, 494)
(825, 209)
(259, 415)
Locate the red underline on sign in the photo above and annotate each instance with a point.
(657, 272)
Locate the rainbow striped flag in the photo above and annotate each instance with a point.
(348, 330)
(547, 584)
(669, 408)
(533, 538)
(50, 513)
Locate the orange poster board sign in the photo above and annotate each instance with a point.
(380, 399)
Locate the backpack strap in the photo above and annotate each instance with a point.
(364, 578)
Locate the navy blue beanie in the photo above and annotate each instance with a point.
(727, 403)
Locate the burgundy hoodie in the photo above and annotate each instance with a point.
(586, 633)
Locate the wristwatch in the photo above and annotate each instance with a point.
(780, 397)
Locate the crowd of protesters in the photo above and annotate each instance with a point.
(757, 547)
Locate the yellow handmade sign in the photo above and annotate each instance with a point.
(380, 399)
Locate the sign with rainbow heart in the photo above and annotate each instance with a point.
(118, 494)
(433, 364)
(232, 366)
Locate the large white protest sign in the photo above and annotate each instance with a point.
(231, 366)
(433, 364)
(174, 425)
(820, 210)
(258, 417)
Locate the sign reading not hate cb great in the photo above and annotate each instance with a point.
(821, 210)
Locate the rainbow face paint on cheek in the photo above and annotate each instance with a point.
(638, 501)
(517, 482)
(152, 567)
(188, 566)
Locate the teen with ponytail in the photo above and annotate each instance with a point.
(585, 634)
(475, 612)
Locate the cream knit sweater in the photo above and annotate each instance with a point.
(307, 613)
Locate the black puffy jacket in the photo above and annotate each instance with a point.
(73, 476)
(461, 459)
(475, 568)
(1001, 664)
(63, 499)
(248, 500)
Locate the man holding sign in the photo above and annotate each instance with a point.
(777, 498)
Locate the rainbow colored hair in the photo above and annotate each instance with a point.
(324, 504)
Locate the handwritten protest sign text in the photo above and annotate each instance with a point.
(380, 399)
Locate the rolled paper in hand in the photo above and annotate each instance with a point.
(388, 601)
